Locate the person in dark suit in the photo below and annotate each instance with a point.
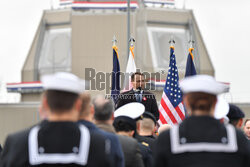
(235, 116)
(86, 118)
(201, 140)
(137, 94)
(59, 140)
(131, 150)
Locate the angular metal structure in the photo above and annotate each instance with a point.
(75, 39)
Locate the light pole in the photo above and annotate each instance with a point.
(128, 26)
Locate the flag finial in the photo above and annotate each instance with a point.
(114, 41)
(171, 41)
(132, 41)
(191, 42)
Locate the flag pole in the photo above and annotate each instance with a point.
(114, 41)
(131, 41)
(128, 27)
(191, 46)
(191, 42)
(172, 41)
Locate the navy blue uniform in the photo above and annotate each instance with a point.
(202, 141)
(116, 153)
(55, 144)
(146, 140)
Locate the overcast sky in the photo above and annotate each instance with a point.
(224, 26)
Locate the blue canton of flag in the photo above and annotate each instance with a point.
(115, 89)
(171, 108)
(190, 68)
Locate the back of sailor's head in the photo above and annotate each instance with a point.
(200, 92)
(235, 115)
(62, 89)
(235, 112)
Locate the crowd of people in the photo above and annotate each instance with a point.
(80, 130)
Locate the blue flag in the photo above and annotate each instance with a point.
(190, 68)
(115, 89)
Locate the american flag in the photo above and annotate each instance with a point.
(171, 108)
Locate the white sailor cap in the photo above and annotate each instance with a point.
(132, 110)
(221, 108)
(202, 83)
(63, 81)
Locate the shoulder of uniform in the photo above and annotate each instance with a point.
(128, 139)
(19, 139)
(145, 144)
(110, 135)
(20, 136)
(165, 134)
(97, 135)
(240, 135)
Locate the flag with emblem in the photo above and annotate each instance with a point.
(190, 68)
(171, 108)
(115, 88)
(131, 68)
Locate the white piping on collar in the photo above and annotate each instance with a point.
(81, 158)
(176, 147)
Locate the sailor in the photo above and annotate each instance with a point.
(146, 130)
(201, 140)
(59, 140)
(86, 118)
(236, 116)
(126, 123)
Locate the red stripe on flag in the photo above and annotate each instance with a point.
(165, 107)
(163, 121)
(179, 113)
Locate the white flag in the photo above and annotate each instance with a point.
(131, 68)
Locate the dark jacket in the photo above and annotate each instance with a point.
(116, 153)
(132, 152)
(202, 141)
(147, 156)
(40, 145)
(146, 140)
(148, 100)
(106, 127)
